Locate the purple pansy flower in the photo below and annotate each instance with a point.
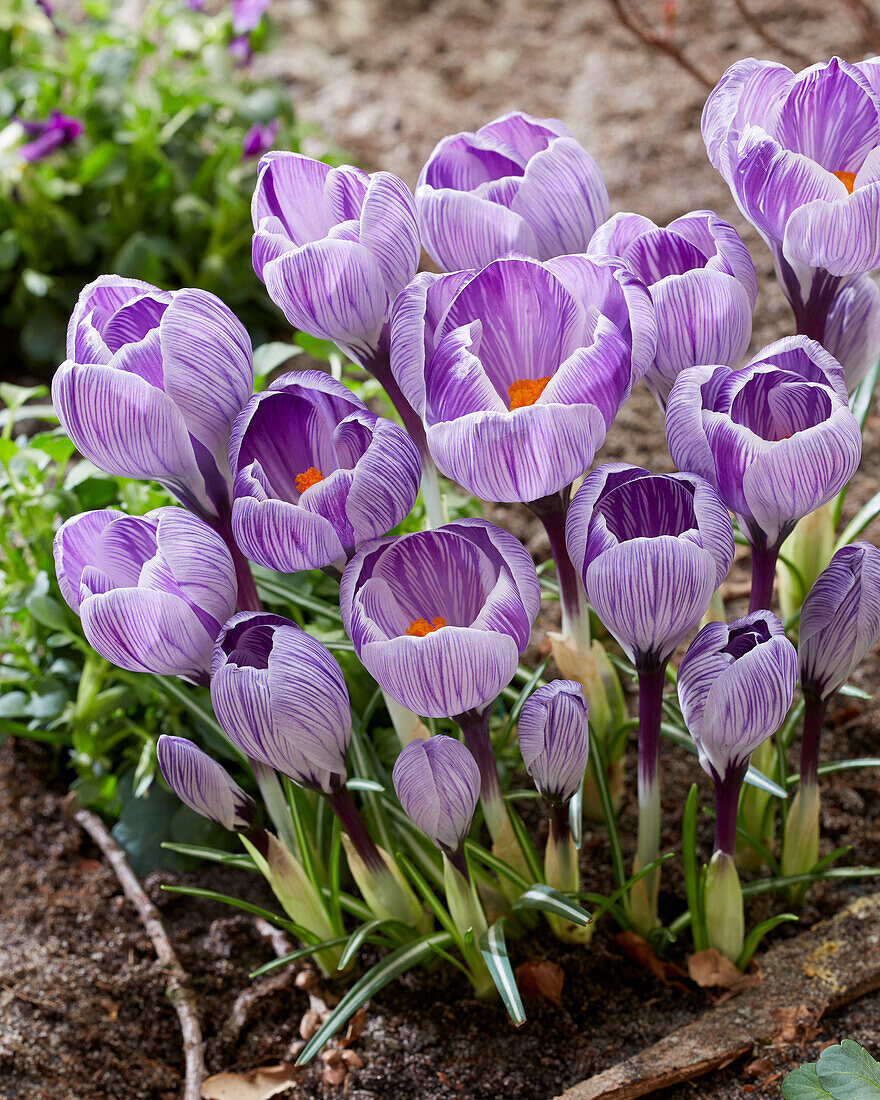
(518, 183)
(333, 246)
(776, 439)
(440, 617)
(316, 473)
(152, 383)
(280, 697)
(702, 283)
(801, 154)
(553, 732)
(260, 138)
(518, 370)
(438, 784)
(204, 785)
(46, 136)
(651, 549)
(152, 591)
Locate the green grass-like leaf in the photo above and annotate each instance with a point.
(547, 900)
(493, 948)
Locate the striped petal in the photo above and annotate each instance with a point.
(389, 229)
(203, 784)
(438, 784)
(461, 230)
(837, 233)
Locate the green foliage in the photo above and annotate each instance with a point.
(845, 1071)
(155, 187)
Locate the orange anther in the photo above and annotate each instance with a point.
(526, 391)
(308, 478)
(848, 179)
(418, 628)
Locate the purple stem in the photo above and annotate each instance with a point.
(763, 573)
(379, 365)
(459, 862)
(559, 823)
(551, 511)
(814, 719)
(651, 682)
(810, 316)
(475, 727)
(342, 804)
(726, 806)
(248, 599)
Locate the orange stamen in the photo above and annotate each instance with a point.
(308, 478)
(848, 179)
(526, 391)
(418, 628)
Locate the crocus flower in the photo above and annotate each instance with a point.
(518, 370)
(260, 138)
(152, 591)
(152, 383)
(852, 330)
(518, 183)
(840, 619)
(438, 784)
(204, 785)
(702, 284)
(554, 738)
(280, 697)
(46, 136)
(316, 473)
(440, 617)
(333, 246)
(735, 685)
(240, 51)
(801, 155)
(650, 549)
(246, 14)
(776, 439)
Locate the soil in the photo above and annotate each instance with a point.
(83, 1013)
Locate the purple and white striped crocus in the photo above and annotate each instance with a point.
(316, 474)
(801, 155)
(852, 328)
(49, 134)
(439, 618)
(777, 439)
(519, 183)
(204, 785)
(839, 625)
(735, 686)
(151, 385)
(702, 284)
(152, 591)
(650, 549)
(438, 784)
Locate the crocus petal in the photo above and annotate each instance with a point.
(74, 547)
(461, 230)
(282, 536)
(438, 784)
(852, 330)
(721, 242)
(840, 236)
(290, 188)
(455, 381)
(553, 736)
(685, 432)
(385, 484)
(199, 561)
(203, 784)
(614, 236)
(389, 229)
(597, 375)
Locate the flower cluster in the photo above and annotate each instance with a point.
(507, 370)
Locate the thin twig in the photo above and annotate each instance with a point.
(756, 25)
(179, 991)
(655, 42)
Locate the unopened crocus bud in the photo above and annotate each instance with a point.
(152, 383)
(519, 183)
(280, 697)
(152, 591)
(316, 474)
(554, 739)
(204, 785)
(438, 784)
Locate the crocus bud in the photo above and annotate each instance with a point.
(514, 410)
(260, 138)
(440, 617)
(735, 685)
(840, 619)
(204, 785)
(438, 784)
(316, 474)
(152, 383)
(651, 549)
(333, 246)
(152, 591)
(518, 183)
(702, 284)
(554, 738)
(280, 697)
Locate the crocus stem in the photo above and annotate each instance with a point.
(800, 844)
(763, 574)
(351, 821)
(248, 599)
(551, 511)
(276, 804)
(726, 806)
(814, 719)
(643, 896)
(561, 871)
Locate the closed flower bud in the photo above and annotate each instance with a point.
(280, 697)
(438, 784)
(554, 738)
(204, 785)
(152, 591)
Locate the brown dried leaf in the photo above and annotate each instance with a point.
(794, 1024)
(541, 978)
(355, 1028)
(710, 969)
(256, 1084)
(641, 953)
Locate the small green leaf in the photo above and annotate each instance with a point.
(803, 1084)
(493, 948)
(543, 897)
(848, 1072)
(292, 956)
(753, 939)
(48, 612)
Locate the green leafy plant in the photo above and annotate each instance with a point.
(845, 1071)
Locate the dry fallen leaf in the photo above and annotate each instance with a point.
(541, 979)
(795, 1023)
(710, 969)
(256, 1084)
(640, 951)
